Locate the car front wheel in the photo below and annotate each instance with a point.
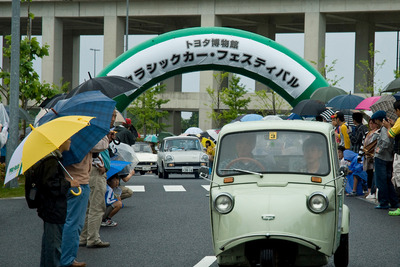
(341, 257)
(165, 174)
(160, 174)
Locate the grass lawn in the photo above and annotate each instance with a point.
(12, 192)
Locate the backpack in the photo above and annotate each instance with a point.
(32, 186)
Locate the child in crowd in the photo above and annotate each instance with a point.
(113, 203)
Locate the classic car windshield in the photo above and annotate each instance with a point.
(142, 147)
(273, 151)
(183, 144)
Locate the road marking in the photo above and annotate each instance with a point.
(174, 188)
(136, 188)
(206, 187)
(206, 261)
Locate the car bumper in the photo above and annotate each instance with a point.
(184, 169)
(152, 167)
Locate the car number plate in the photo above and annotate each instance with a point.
(146, 168)
(187, 169)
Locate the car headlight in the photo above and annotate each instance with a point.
(223, 203)
(169, 158)
(204, 157)
(317, 202)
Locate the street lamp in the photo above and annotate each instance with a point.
(94, 60)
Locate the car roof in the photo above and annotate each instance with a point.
(295, 125)
(181, 137)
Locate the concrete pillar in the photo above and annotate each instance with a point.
(114, 29)
(173, 84)
(364, 36)
(208, 19)
(70, 68)
(75, 60)
(174, 122)
(267, 29)
(52, 34)
(314, 38)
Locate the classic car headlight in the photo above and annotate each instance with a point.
(204, 157)
(317, 202)
(169, 158)
(223, 203)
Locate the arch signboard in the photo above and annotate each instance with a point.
(216, 48)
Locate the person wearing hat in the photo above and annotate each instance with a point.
(394, 133)
(383, 164)
(343, 136)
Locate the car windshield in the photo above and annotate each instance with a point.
(142, 148)
(273, 152)
(183, 144)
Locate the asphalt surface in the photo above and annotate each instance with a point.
(158, 227)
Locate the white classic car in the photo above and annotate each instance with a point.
(182, 155)
(147, 160)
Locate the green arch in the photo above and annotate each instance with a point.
(216, 48)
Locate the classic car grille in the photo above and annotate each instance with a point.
(187, 164)
(147, 163)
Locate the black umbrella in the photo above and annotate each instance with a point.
(110, 86)
(393, 86)
(50, 102)
(309, 107)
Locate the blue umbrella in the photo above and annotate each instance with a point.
(251, 117)
(345, 101)
(151, 138)
(116, 166)
(92, 103)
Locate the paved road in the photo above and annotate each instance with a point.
(166, 223)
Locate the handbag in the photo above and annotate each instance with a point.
(369, 149)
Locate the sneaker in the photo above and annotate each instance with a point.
(395, 212)
(352, 194)
(109, 223)
(100, 244)
(370, 196)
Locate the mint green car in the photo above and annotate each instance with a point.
(276, 195)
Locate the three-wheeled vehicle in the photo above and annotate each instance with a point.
(276, 195)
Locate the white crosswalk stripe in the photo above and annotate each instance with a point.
(136, 188)
(206, 261)
(174, 188)
(167, 188)
(206, 187)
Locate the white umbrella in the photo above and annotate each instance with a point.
(14, 167)
(193, 130)
(124, 152)
(272, 118)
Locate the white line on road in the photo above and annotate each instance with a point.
(136, 188)
(206, 187)
(206, 261)
(174, 188)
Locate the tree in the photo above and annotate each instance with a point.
(193, 121)
(231, 97)
(147, 110)
(370, 69)
(270, 102)
(327, 70)
(31, 90)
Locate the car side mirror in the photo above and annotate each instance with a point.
(203, 172)
(344, 170)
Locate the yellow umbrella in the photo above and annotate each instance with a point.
(49, 137)
(42, 141)
(204, 140)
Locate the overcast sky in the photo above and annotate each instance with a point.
(339, 46)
